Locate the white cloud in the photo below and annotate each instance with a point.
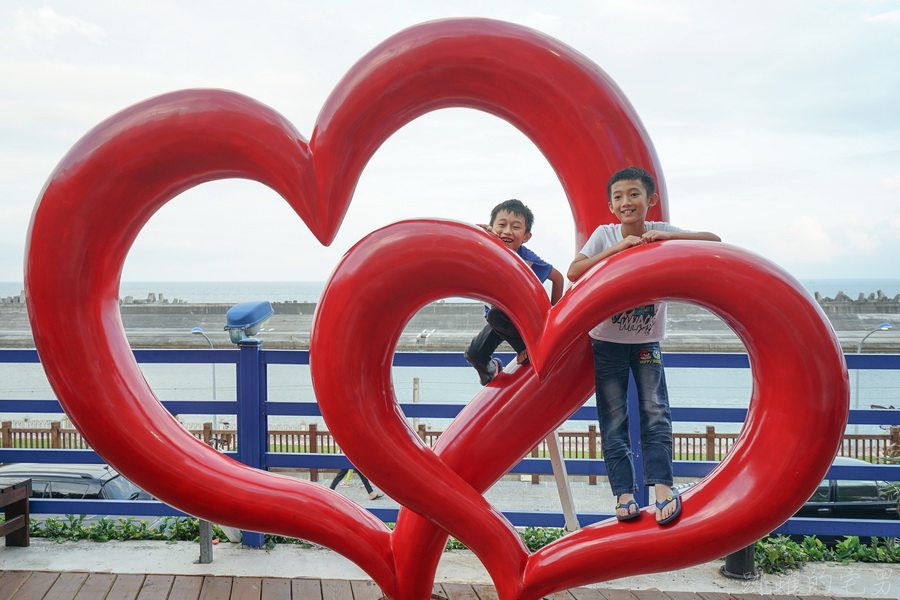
(39, 29)
(766, 117)
(892, 16)
(891, 183)
(804, 238)
(864, 242)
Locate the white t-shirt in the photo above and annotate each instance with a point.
(637, 325)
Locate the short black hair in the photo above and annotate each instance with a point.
(632, 173)
(516, 207)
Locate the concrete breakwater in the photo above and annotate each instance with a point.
(449, 326)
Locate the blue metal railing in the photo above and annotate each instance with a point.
(253, 409)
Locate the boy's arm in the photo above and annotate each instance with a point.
(556, 289)
(655, 236)
(582, 263)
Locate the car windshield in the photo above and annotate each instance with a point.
(850, 490)
(821, 493)
(119, 488)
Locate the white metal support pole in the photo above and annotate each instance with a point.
(562, 482)
(417, 391)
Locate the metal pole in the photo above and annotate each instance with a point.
(882, 327)
(206, 553)
(199, 331)
(562, 482)
(417, 392)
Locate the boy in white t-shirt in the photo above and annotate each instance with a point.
(630, 341)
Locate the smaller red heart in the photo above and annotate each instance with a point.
(354, 389)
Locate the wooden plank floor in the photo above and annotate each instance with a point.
(44, 585)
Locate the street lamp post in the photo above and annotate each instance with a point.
(206, 555)
(199, 331)
(882, 327)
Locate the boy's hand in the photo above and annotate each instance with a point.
(487, 228)
(631, 240)
(655, 236)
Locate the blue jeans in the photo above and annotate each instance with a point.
(612, 362)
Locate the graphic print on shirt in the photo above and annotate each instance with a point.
(637, 320)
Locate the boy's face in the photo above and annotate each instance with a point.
(510, 228)
(629, 201)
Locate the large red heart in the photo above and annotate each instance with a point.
(112, 181)
(780, 324)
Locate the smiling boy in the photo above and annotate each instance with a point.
(630, 341)
(511, 221)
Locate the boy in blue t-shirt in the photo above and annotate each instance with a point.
(511, 221)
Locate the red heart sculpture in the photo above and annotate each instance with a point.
(503, 424)
(114, 179)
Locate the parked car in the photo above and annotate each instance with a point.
(844, 499)
(850, 498)
(74, 482)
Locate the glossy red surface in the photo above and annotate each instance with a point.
(114, 179)
(770, 311)
(572, 111)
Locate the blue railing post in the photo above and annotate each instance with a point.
(251, 365)
(634, 432)
(252, 427)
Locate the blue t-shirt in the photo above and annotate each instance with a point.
(540, 267)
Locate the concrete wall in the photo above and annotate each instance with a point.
(449, 325)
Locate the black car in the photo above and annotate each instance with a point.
(850, 498)
(73, 482)
(843, 499)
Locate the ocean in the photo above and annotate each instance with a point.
(687, 387)
(232, 292)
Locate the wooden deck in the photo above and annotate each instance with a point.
(49, 585)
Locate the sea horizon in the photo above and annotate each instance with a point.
(232, 292)
(687, 386)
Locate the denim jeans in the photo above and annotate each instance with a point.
(612, 362)
(499, 328)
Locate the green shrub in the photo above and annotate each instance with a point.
(536, 538)
(774, 554)
(74, 528)
(779, 554)
(815, 549)
(454, 544)
(881, 550)
(273, 540)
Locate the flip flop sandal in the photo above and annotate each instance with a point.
(676, 498)
(631, 515)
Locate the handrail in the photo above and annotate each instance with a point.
(265, 459)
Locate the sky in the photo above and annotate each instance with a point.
(776, 123)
